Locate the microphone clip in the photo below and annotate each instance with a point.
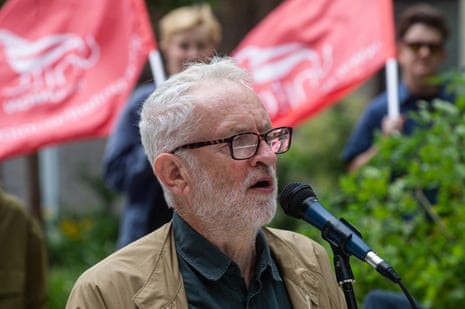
(338, 234)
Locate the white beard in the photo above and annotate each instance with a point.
(215, 202)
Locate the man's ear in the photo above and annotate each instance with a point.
(172, 172)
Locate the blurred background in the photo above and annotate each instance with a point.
(82, 159)
(80, 215)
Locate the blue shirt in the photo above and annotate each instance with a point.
(127, 170)
(213, 280)
(362, 137)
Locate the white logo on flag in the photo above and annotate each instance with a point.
(274, 63)
(288, 69)
(47, 63)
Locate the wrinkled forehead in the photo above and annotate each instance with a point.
(230, 107)
(226, 96)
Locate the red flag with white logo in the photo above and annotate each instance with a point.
(306, 54)
(66, 68)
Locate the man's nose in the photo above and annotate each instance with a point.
(265, 154)
(425, 50)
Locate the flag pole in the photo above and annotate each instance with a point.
(392, 88)
(156, 66)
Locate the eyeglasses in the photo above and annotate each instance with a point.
(434, 48)
(243, 146)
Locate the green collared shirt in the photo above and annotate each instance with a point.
(213, 280)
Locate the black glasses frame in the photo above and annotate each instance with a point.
(229, 141)
(415, 46)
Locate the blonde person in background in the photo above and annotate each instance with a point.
(186, 34)
(23, 258)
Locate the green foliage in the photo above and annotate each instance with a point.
(70, 233)
(75, 242)
(387, 199)
(95, 183)
(314, 157)
(78, 240)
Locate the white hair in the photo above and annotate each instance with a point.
(168, 118)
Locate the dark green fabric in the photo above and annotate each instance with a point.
(212, 280)
(23, 259)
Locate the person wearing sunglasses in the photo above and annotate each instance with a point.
(211, 144)
(422, 32)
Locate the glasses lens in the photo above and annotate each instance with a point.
(414, 46)
(279, 140)
(244, 145)
(433, 47)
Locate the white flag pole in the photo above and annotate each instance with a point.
(49, 170)
(156, 66)
(392, 88)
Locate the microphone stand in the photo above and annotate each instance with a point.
(343, 270)
(344, 276)
(338, 239)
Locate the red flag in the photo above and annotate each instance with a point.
(66, 68)
(306, 55)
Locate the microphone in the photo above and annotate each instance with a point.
(299, 201)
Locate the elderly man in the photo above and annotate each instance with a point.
(213, 149)
(188, 33)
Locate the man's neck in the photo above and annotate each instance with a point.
(421, 88)
(239, 246)
(235, 241)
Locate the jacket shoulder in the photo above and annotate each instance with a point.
(293, 240)
(117, 278)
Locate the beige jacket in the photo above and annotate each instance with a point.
(145, 274)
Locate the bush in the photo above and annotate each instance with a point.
(76, 242)
(388, 200)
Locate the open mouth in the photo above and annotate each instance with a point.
(262, 183)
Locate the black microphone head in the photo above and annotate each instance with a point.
(292, 197)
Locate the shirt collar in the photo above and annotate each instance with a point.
(264, 258)
(406, 97)
(209, 260)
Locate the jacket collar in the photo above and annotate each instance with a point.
(303, 281)
(160, 290)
